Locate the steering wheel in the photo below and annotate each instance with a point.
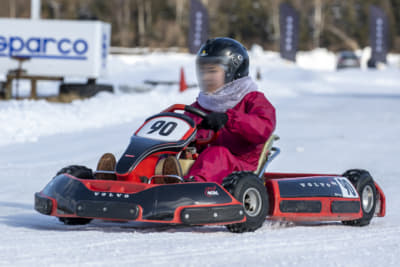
(198, 112)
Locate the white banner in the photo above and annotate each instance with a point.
(55, 47)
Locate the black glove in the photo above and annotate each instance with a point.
(214, 121)
(230, 182)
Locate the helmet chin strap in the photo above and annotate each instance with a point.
(229, 76)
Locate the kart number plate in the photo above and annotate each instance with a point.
(165, 129)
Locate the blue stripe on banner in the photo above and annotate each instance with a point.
(47, 56)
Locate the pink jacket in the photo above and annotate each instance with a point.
(250, 124)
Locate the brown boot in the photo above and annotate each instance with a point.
(172, 167)
(107, 162)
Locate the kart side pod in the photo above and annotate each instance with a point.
(316, 198)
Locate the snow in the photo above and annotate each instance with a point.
(328, 122)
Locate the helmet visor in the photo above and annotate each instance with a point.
(210, 74)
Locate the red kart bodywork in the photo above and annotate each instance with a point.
(292, 196)
(325, 214)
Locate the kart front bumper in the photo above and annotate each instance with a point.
(188, 203)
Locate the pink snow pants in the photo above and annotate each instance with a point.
(215, 163)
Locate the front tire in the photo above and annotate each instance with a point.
(81, 172)
(249, 189)
(365, 186)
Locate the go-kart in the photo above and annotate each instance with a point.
(139, 191)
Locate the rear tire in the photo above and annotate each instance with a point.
(81, 172)
(249, 189)
(365, 186)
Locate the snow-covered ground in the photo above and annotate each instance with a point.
(328, 121)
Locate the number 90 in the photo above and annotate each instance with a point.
(164, 128)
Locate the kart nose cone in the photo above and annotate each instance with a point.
(42, 204)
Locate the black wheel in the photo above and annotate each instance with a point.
(249, 189)
(365, 186)
(79, 172)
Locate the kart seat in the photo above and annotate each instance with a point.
(265, 154)
(185, 165)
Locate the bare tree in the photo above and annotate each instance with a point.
(274, 13)
(350, 42)
(55, 7)
(141, 22)
(13, 8)
(149, 17)
(122, 9)
(318, 23)
(180, 4)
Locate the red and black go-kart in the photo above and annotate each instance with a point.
(141, 192)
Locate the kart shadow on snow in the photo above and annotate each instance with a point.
(33, 220)
(40, 222)
(46, 223)
(16, 205)
(288, 224)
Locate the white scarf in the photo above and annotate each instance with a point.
(227, 96)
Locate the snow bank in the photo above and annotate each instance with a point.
(27, 120)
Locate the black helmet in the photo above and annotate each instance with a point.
(227, 52)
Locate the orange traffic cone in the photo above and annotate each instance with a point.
(182, 83)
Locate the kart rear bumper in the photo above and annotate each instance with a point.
(316, 197)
